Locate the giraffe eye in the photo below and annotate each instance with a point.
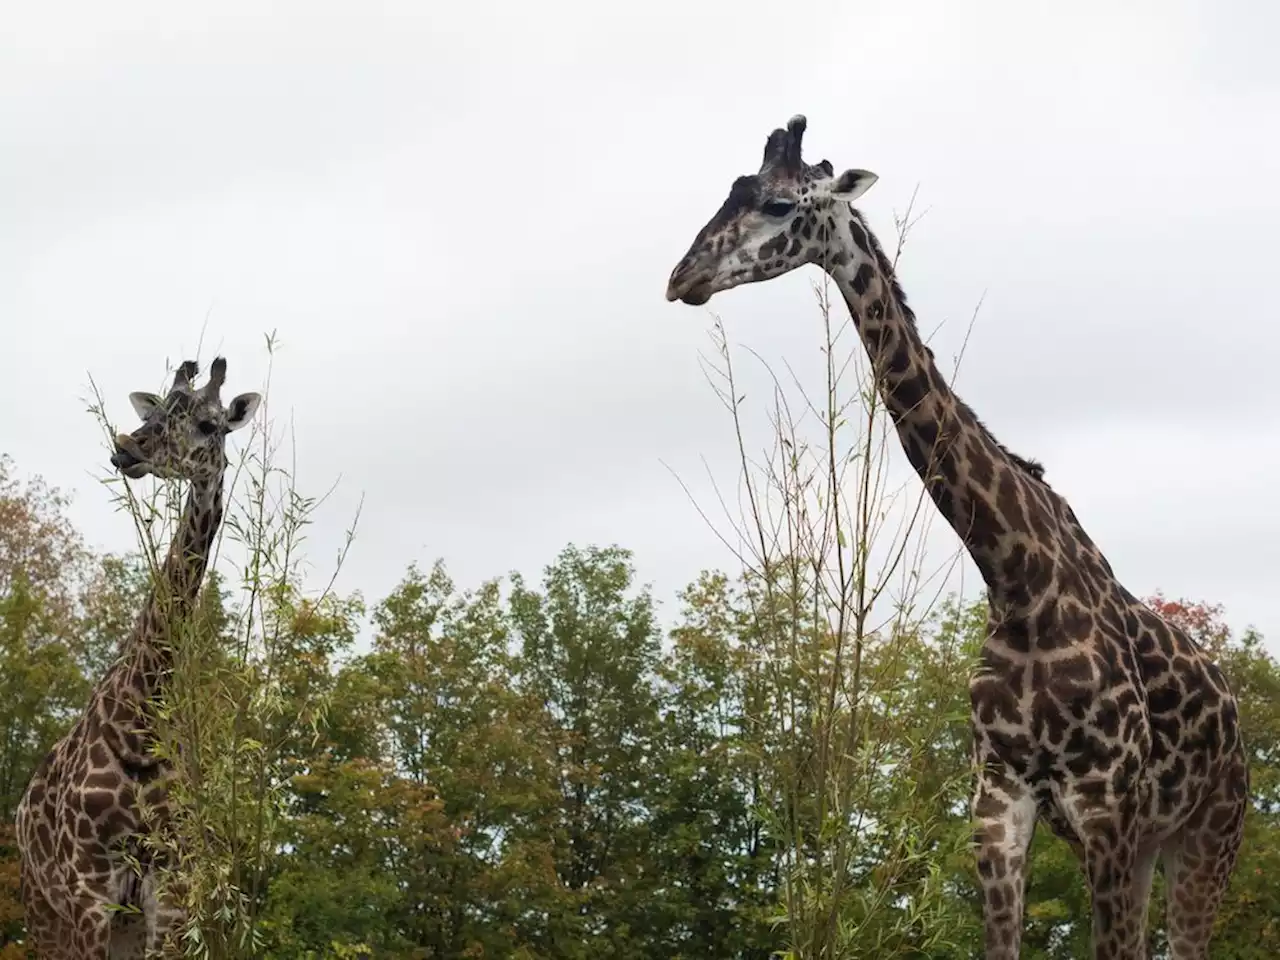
(207, 427)
(777, 208)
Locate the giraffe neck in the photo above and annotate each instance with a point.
(978, 486)
(147, 656)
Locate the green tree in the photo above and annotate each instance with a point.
(110, 603)
(42, 563)
(589, 649)
(356, 835)
(455, 723)
(546, 775)
(39, 545)
(718, 865)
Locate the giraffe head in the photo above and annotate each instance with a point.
(773, 221)
(183, 434)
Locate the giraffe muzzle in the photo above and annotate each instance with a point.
(688, 284)
(128, 457)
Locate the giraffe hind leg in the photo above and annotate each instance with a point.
(90, 920)
(1197, 864)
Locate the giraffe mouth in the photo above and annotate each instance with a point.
(697, 296)
(690, 282)
(694, 293)
(128, 458)
(133, 469)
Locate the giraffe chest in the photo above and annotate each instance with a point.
(1062, 726)
(95, 810)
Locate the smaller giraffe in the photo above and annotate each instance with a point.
(81, 821)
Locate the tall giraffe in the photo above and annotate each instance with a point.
(1088, 710)
(81, 820)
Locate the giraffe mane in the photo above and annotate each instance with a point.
(1033, 468)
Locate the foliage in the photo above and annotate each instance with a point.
(543, 770)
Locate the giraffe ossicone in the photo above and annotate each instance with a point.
(1089, 711)
(86, 814)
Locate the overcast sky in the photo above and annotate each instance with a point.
(460, 219)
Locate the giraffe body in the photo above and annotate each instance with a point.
(90, 883)
(1089, 711)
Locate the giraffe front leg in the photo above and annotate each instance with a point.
(162, 904)
(45, 932)
(90, 934)
(1119, 916)
(1117, 865)
(1004, 813)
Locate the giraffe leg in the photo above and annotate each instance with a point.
(1197, 864)
(128, 937)
(1143, 873)
(1005, 820)
(1119, 888)
(90, 929)
(162, 906)
(1144, 869)
(43, 924)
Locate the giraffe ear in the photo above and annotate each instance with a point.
(852, 184)
(144, 404)
(241, 410)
